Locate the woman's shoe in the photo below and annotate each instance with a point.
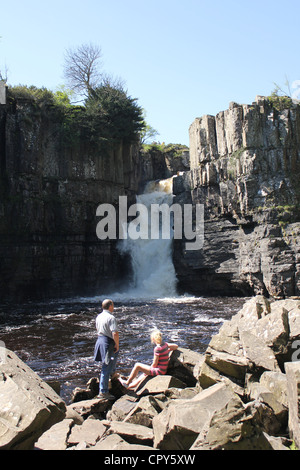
(123, 382)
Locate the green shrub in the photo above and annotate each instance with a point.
(40, 96)
(280, 102)
(116, 114)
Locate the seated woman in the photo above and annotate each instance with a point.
(159, 364)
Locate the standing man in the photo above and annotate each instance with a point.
(107, 346)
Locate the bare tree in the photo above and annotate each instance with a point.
(82, 68)
(113, 82)
(4, 74)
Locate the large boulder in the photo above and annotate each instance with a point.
(132, 433)
(28, 406)
(144, 411)
(121, 408)
(117, 443)
(277, 417)
(294, 321)
(293, 392)
(94, 407)
(89, 432)
(225, 354)
(228, 364)
(182, 364)
(209, 376)
(276, 382)
(235, 427)
(260, 338)
(91, 390)
(249, 355)
(178, 425)
(258, 353)
(158, 384)
(56, 438)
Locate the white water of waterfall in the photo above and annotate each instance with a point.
(151, 259)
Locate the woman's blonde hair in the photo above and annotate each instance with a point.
(156, 337)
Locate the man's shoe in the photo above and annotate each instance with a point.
(106, 396)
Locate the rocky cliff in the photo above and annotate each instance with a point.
(245, 165)
(51, 183)
(159, 161)
(244, 168)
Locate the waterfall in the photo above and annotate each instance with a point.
(151, 259)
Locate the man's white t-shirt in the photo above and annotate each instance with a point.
(106, 324)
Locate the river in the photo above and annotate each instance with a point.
(56, 338)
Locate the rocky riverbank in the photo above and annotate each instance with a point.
(242, 394)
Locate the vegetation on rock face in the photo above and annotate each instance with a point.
(175, 149)
(117, 114)
(280, 102)
(39, 96)
(282, 99)
(108, 115)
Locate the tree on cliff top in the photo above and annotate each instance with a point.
(82, 68)
(114, 112)
(3, 73)
(110, 112)
(107, 113)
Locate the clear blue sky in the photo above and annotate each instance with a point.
(181, 58)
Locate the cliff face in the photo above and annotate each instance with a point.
(245, 166)
(163, 161)
(49, 192)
